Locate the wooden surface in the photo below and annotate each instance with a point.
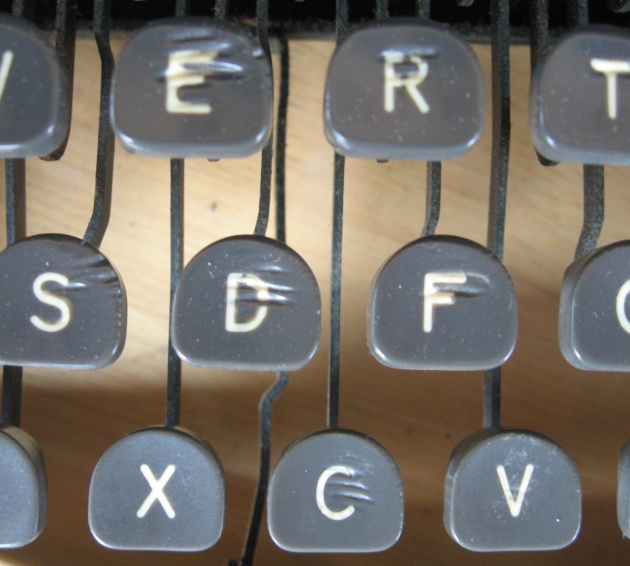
(418, 416)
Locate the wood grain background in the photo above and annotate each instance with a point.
(418, 416)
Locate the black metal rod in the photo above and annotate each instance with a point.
(105, 150)
(15, 173)
(433, 197)
(539, 45)
(283, 377)
(334, 357)
(500, 16)
(263, 477)
(281, 137)
(492, 398)
(266, 167)
(264, 203)
(593, 209)
(334, 367)
(174, 368)
(65, 41)
(174, 364)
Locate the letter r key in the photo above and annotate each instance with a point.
(404, 89)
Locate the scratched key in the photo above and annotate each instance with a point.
(192, 87)
(442, 303)
(23, 489)
(63, 304)
(158, 489)
(247, 302)
(34, 92)
(511, 490)
(580, 98)
(594, 328)
(335, 491)
(404, 89)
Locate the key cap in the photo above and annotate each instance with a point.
(158, 489)
(404, 89)
(335, 491)
(247, 302)
(442, 303)
(192, 87)
(23, 489)
(594, 329)
(34, 92)
(511, 490)
(63, 304)
(579, 98)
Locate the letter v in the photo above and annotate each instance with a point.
(515, 506)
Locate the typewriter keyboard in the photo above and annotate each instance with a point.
(346, 299)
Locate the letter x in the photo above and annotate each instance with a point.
(157, 491)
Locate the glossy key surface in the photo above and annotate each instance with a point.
(580, 98)
(442, 303)
(158, 489)
(34, 92)
(23, 488)
(63, 304)
(192, 87)
(247, 302)
(594, 326)
(335, 491)
(404, 89)
(511, 490)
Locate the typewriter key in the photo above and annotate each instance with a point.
(63, 304)
(34, 92)
(158, 489)
(579, 97)
(192, 87)
(511, 490)
(247, 302)
(404, 89)
(335, 491)
(594, 328)
(23, 489)
(442, 303)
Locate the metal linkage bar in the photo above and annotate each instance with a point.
(282, 382)
(105, 150)
(15, 172)
(15, 179)
(341, 26)
(500, 16)
(65, 40)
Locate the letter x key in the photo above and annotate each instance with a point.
(158, 489)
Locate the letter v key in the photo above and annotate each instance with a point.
(515, 506)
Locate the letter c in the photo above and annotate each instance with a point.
(319, 493)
